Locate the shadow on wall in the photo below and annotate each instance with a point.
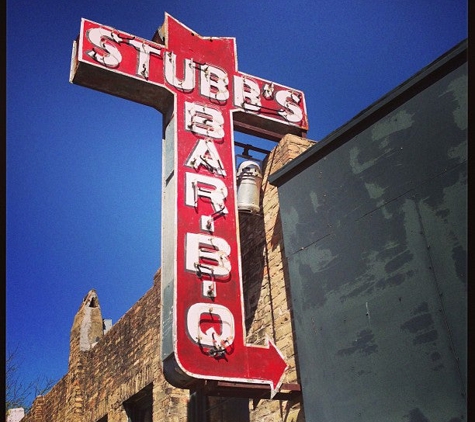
(252, 234)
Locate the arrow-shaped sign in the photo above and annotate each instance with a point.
(194, 82)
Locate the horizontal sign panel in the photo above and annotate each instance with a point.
(146, 64)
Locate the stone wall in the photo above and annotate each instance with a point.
(123, 362)
(108, 370)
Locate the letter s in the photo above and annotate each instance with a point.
(292, 111)
(108, 54)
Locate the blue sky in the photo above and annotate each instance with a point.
(84, 168)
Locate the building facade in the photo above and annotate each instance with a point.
(375, 234)
(355, 267)
(116, 376)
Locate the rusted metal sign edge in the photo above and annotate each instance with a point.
(246, 390)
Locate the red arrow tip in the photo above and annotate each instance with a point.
(266, 365)
(277, 367)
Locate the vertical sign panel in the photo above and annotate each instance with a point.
(194, 82)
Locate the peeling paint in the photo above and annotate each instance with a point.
(387, 215)
(458, 152)
(384, 144)
(395, 267)
(429, 337)
(356, 167)
(394, 281)
(418, 323)
(423, 307)
(314, 200)
(398, 261)
(448, 221)
(321, 259)
(459, 256)
(375, 191)
(415, 415)
(422, 324)
(458, 88)
(293, 215)
(400, 121)
(318, 297)
(364, 343)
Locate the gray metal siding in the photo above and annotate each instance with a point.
(375, 237)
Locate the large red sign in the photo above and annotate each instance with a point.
(194, 82)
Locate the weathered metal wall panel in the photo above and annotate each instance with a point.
(375, 237)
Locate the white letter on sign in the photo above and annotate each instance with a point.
(214, 83)
(203, 315)
(202, 250)
(110, 56)
(143, 63)
(204, 120)
(207, 187)
(289, 101)
(186, 84)
(246, 94)
(205, 154)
